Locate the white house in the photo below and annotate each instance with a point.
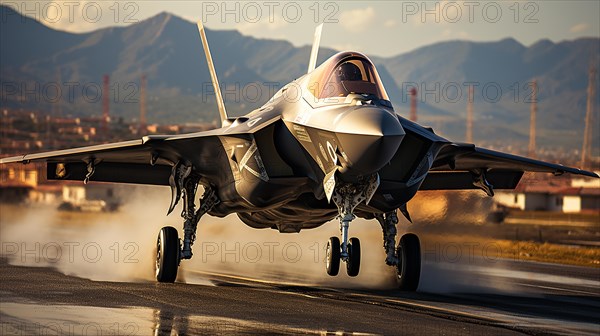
(582, 197)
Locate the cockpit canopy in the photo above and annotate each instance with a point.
(346, 73)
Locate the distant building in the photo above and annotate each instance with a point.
(586, 182)
(25, 174)
(16, 182)
(46, 194)
(580, 199)
(530, 198)
(14, 192)
(582, 195)
(93, 196)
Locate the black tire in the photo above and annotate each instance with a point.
(353, 264)
(409, 262)
(333, 256)
(167, 254)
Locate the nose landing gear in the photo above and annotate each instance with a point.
(405, 258)
(347, 197)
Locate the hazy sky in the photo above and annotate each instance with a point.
(382, 28)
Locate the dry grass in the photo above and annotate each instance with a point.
(520, 250)
(552, 253)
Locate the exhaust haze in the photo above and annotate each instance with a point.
(120, 246)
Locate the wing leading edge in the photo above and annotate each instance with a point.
(144, 161)
(456, 165)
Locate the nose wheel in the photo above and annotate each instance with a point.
(334, 256)
(353, 262)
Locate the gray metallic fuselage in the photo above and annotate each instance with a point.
(276, 173)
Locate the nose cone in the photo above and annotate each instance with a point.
(369, 138)
(369, 120)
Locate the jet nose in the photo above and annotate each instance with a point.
(369, 120)
(369, 138)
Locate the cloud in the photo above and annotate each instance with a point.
(579, 28)
(440, 12)
(449, 33)
(79, 16)
(357, 20)
(390, 23)
(344, 46)
(277, 23)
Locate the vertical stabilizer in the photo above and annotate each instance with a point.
(213, 74)
(315, 48)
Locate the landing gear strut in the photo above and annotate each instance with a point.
(192, 217)
(388, 223)
(406, 257)
(169, 250)
(347, 197)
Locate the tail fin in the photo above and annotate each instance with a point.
(315, 48)
(213, 74)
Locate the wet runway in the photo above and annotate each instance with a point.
(90, 274)
(549, 299)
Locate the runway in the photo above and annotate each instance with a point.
(90, 274)
(41, 300)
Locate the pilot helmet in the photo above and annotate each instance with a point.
(349, 72)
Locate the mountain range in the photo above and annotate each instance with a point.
(167, 50)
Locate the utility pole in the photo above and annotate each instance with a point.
(586, 151)
(58, 104)
(533, 115)
(105, 107)
(142, 129)
(469, 137)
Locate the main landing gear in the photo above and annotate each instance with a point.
(167, 254)
(169, 250)
(408, 269)
(406, 257)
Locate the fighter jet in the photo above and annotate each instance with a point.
(327, 145)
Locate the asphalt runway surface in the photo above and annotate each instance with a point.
(552, 299)
(75, 293)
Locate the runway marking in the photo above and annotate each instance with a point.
(522, 275)
(242, 278)
(445, 310)
(557, 288)
(432, 308)
(300, 294)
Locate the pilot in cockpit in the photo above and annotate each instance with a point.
(343, 74)
(348, 72)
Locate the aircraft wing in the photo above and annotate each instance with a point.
(144, 161)
(456, 165)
